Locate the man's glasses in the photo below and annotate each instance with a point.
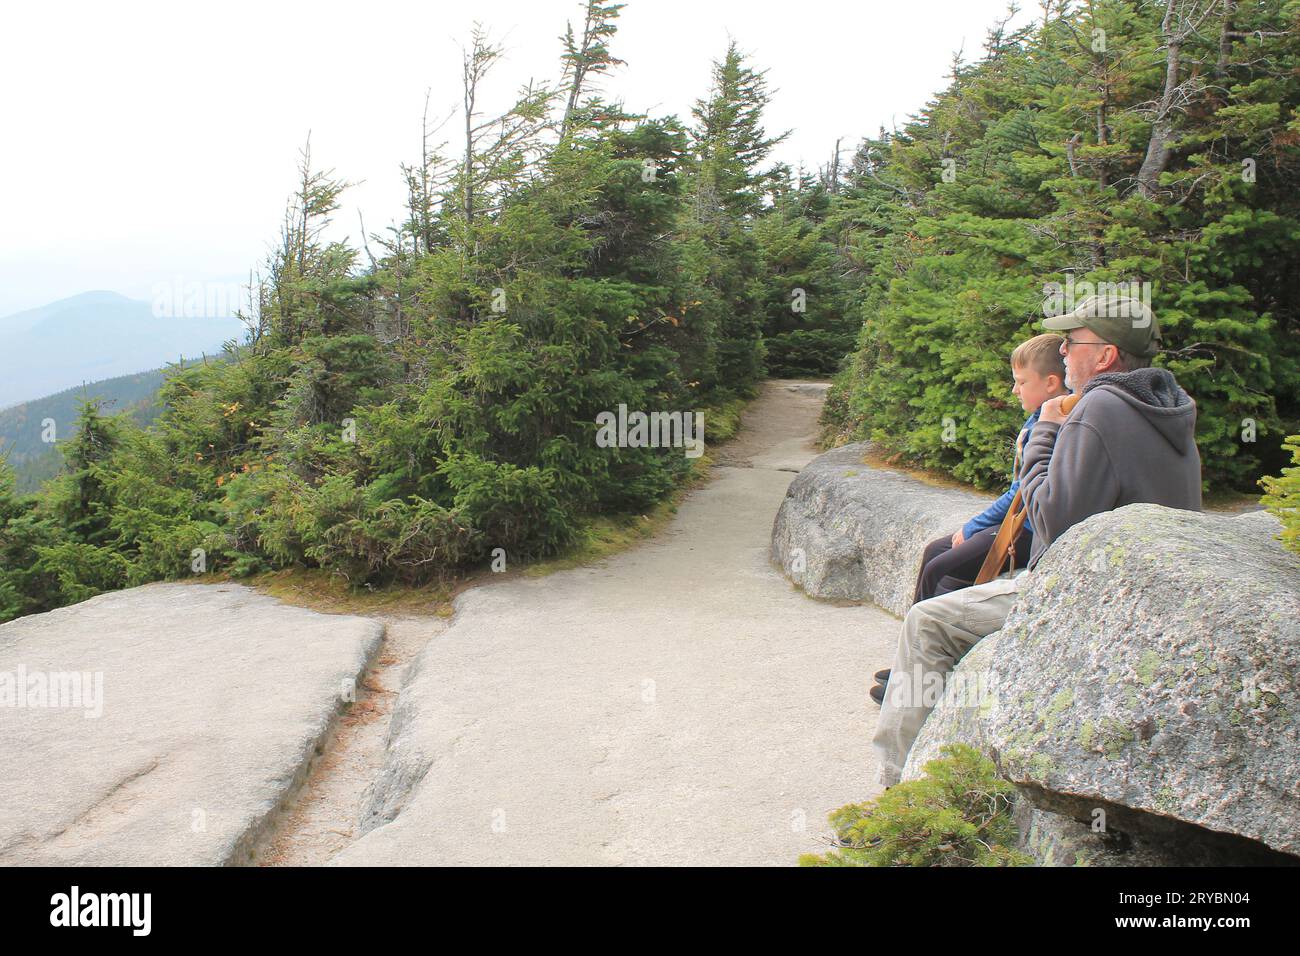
(1069, 343)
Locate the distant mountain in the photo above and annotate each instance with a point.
(96, 336)
(33, 460)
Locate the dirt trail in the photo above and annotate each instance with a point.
(679, 703)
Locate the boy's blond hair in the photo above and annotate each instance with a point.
(1041, 354)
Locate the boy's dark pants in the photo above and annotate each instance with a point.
(945, 568)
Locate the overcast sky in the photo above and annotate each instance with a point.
(156, 142)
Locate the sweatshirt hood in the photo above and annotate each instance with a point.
(1156, 395)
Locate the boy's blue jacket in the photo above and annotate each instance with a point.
(992, 516)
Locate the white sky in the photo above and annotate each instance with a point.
(146, 142)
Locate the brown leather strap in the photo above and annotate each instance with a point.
(1005, 541)
(1014, 522)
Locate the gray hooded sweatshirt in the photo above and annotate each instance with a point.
(1131, 438)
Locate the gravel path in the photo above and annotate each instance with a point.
(680, 703)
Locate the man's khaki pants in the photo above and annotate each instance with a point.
(936, 634)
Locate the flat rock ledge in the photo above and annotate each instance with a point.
(1145, 691)
(165, 724)
(851, 531)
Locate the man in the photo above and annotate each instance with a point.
(1131, 438)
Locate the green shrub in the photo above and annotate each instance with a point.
(83, 570)
(807, 352)
(958, 814)
(267, 513)
(513, 508)
(24, 588)
(1283, 496)
(410, 542)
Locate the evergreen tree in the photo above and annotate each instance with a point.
(729, 140)
(584, 59)
(1054, 159)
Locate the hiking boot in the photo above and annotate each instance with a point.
(882, 677)
(878, 694)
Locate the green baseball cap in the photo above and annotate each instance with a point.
(1120, 320)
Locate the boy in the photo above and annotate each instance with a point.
(952, 562)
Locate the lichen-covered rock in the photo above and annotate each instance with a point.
(848, 530)
(1150, 671)
(1056, 840)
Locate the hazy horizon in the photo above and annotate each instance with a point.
(161, 117)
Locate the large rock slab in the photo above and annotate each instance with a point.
(849, 530)
(1150, 672)
(212, 700)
